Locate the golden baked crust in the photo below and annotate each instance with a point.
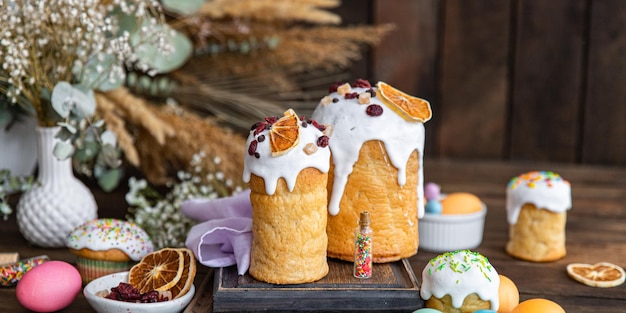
(471, 304)
(289, 229)
(373, 186)
(538, 236)
(114, 255)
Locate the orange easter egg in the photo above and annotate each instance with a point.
(538, 305)
(508, 295)
(461, 203)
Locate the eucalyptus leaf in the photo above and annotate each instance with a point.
(69, 127)
(67, 98)
(110, 179)
(186, 7)
(63, 150)
(109, 156)
(108, 137)
(63, 134)
(87, 152)
(160, 61)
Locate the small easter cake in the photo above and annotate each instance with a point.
(537, 203)
(461, 281)
(287, 169)
(376, 143)
(105, 246)
(451, 222)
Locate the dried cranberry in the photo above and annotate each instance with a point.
(271, 120)
(260, 126)
(261, 138)
(351, 95)
(334, 87)
(363, 83)
(374, 110)
(150, 297)
(304, 124)
(318, 125)
(252, 147)
(322, 141)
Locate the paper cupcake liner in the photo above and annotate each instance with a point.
(90, 269)
(443, 233)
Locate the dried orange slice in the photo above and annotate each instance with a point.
(159, 270)
(189, 273)
(409, 107)
(603, 275)
(285, 133)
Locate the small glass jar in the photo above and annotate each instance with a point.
(363, 248)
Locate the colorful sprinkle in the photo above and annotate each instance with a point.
(10, 274)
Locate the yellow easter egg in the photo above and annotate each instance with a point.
(538, 305)
(461, 203)
(508, 295)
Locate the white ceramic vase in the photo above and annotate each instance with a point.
(49, 211)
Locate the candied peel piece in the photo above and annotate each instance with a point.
(285, 133)
(409, 107)
(602, 275)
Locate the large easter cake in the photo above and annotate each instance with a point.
(376, 143)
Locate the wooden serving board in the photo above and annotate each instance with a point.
(392, 287)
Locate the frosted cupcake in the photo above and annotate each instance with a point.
(106, 246)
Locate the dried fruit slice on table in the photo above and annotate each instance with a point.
(189, 273)
(603, 275)
(159, 270)
(409, 107)
(285, 133)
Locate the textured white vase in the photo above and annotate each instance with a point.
(49, 211)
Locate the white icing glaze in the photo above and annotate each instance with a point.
(108, 233)
(288, 165)
(459, 274)
(352, 127)
(544, 189)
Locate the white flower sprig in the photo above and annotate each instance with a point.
(160, 216)
(43, 42)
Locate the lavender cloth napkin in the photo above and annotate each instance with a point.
(224, 237)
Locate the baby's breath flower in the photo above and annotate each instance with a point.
(160, 215)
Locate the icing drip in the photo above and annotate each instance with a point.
(107, 233)
(460, 274)
(352, 127)
(288, 166)
(544, 189)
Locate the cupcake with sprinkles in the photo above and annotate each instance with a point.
(461, 281)
(106, 246)
(537, 203)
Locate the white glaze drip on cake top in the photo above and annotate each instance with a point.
(352, 127)
(460, 274)
(544, 189)
(108, 233)
(271, 168)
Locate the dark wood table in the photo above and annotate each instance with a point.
(596, 232)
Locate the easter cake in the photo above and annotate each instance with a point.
(376, 143)
(287, 169)
(105, 246)
(537, 203)
(451, 221)
(461, 281)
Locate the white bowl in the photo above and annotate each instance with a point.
(443, 232)
(104, 305)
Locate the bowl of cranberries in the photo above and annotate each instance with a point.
(113, 294)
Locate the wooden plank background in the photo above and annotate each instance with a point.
(523, 80)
